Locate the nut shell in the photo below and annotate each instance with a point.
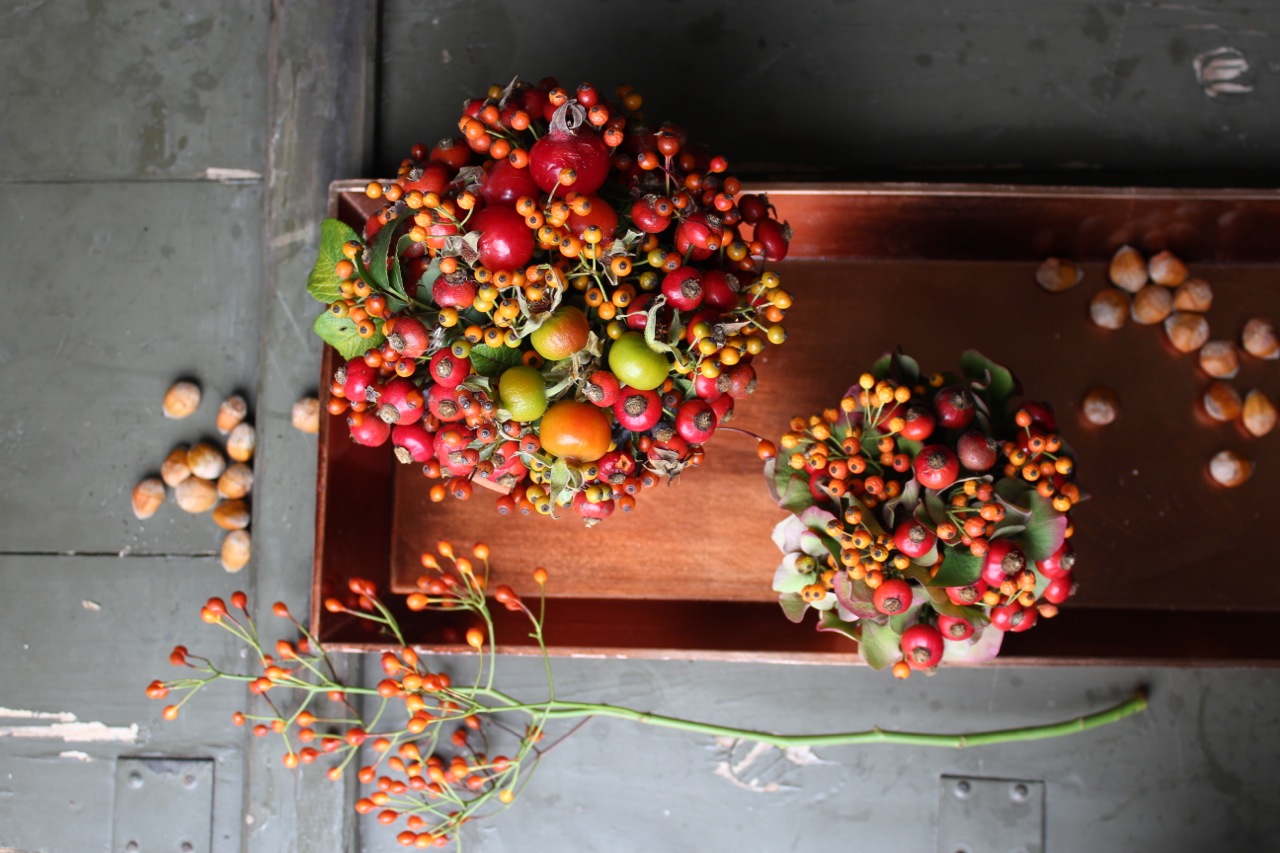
(1229, 468)
(231, 515)
(206, 461)
(1219, 359)
(232, 411)
(174, 469)
(241, 442)
(196, 495)
(1194, 294)
(236, 481)
(1259, 339)
(181, 400)
(306, 415)
(1128, 269)
(1186, 331)
(1058, 274)
(236, 549)
(148, 495)
(1259, 413)
(1151, 305)
(1166, 268)
(1109, 308)
(1100, 406)
(1221, 401)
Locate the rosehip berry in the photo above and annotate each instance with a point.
(589, 509)
(1007, 617)
(976, 451)
(443, 403)
(723, 407)
(448, 369)
(936, 467)
(638, 410)
(356, 377)
(506, 183)
(892, 597)
(918, 423)
(720, 290)
(368, 429)
(400, 402)
(922, 647)
(742, 381)
(1059, 563)
(409, 338)
(753, 208)
(412, 443)
(646, 217)
(695, 421)
(506, 243)
(775, 236)
(707, 388)
(455, 290)
(913, 538)
(1003, 562)
(1060, 589)
(1042, 414)
(967, 595)
(954, 407)
(954, 628)
(683, 288)
(563, 150)
(602, 388)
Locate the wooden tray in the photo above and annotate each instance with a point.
(1172, 568)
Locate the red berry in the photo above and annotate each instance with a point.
(1060, 589)
(506, 243)
(356, 377)
(913, 538)
(400, 402)
(954, 628)
(1059, 563)
(429, 178)
(753, 208)
(1004, 560)
(602, 388)
(936, 467)
(601, 215)
(455, 290)
(967, 595)
(409, 337)
(638, 410)
(683, 288)
(448, 369)
(412, 442)
(646, 217)
(775, 236)
(578, 149)
(954, 407)
(695, 421)
(1042, 414)
(720, 290)
(505, 183)
(588, 509)
(922, 647)
(976, 450)
(443, 403)
(918, 423)
(368, 429)
(892, 597)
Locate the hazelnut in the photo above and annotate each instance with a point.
(1187, 331)
(1259, 339)
(1229, 468)
(181, 399)
(1167, 269)
(1194, 294)
(196, 495)
(241, 442)
(1259, 414)
(147, 497)
(231, 412)
(1100, 406)
(306, 415)
(1219, 359)
(1221, 401)
(206, 461)
(1058, 274)
(174, 469)
(1128, 269)
(236, 481)
(231, 515)
(1151, 304)
(1109, 308)
(235, 550)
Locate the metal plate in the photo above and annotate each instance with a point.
(990, 816)
(163, 806)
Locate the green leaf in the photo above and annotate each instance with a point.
(959, 568)
(1012, 491)
(793, 490)
(491, 361)
(340, 333)
(322, 281)
(879, 645)
(1046, 529)
(380, 253)
(997, 381)
(793, 606)
(831, 621)
(427, 284)
(854, 596)
(396, 273)
(907, 500)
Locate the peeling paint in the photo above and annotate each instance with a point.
(1222, 71)
(76, 755)
(91, 605)
(749, 771)
(66, 728)
(222, 175)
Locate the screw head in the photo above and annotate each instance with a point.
(962, 789)
(1019, 792)
(135, 780)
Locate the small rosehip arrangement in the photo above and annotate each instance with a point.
(560, 303)
(929, 516)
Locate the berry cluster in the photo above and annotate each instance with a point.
(560, 302)
(924, 510)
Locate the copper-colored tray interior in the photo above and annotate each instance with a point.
(935, 270)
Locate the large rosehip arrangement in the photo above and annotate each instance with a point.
(559, 303)
(929, 515)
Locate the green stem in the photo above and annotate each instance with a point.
(1135, 704)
